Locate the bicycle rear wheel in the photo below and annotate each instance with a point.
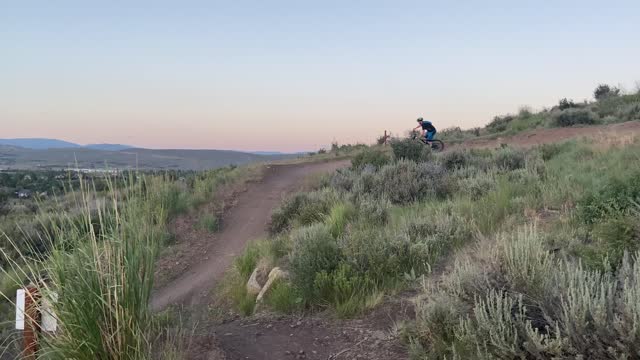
(437, 145)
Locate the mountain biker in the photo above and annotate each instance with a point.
(429, 131)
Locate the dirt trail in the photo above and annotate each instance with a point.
(244, 222)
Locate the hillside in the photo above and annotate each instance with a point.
(38, 143)
(62, 158)
(609, 106)
(521, 243)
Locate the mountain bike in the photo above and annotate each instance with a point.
(436, 145)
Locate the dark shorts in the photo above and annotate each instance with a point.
(430, 135)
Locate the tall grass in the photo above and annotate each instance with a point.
(100, 264)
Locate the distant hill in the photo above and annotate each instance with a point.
(131, 158)
(38, 143)
(44, 143)
(108, 147)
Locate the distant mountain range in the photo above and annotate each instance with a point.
(43, 144)
(37, 153)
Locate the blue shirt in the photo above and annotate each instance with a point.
(427, 125)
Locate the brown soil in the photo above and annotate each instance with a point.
(374, 336)
(607, 135)
(211, 254)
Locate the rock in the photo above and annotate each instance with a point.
(275, 274)
(257, 280)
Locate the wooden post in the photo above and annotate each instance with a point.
(31, 322)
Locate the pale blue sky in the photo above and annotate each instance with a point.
(295, 75)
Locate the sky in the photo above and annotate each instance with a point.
(297, 75)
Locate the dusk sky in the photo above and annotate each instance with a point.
(296, 75)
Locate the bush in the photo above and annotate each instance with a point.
(405, 182)
(434, 236)
(571, 117)
(303, 209)
(314, 250)
(566, 104)
(525, 304)
(209, 223)
(615, 197)
(477, 186)
(629, 112)
(247, 262)
(381, 255)
(455, 159)
(509, 159)
(343, 179)
(338, 218)
(374, 212)
(375, 157)
(604, 91)
(615, 236)
(408, 149)
(344, 289)
(283, 298)
(436, 322)
(551, 150)
(499, 123)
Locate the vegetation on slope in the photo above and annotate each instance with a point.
(610, 106)
(97, 250)
(554, 230)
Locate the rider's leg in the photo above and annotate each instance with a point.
(430, 135)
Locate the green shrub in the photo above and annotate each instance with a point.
(284, 298)
(278, 247)
(370, 156)
(499, 123)
(527, 265)
(566, 104)
(434, 236)
(571, 117)
(374, 212)
(629, 112)
(314, 250)
(477, 186)
(616, 196)
(247, 262)
(526, 304)
(408, 149)
(344, 289)
(615, 236)
(243, 302)
(405, 182)
(381, 255)
(343, 179)
(604, 91)
(509, 158)
(436, 321)
(209, 223)
(303, 209)
(338, 218)
(454, 159)
(551, 150)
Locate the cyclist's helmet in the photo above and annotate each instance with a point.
(419, 119)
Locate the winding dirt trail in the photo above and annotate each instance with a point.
(246, 221)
